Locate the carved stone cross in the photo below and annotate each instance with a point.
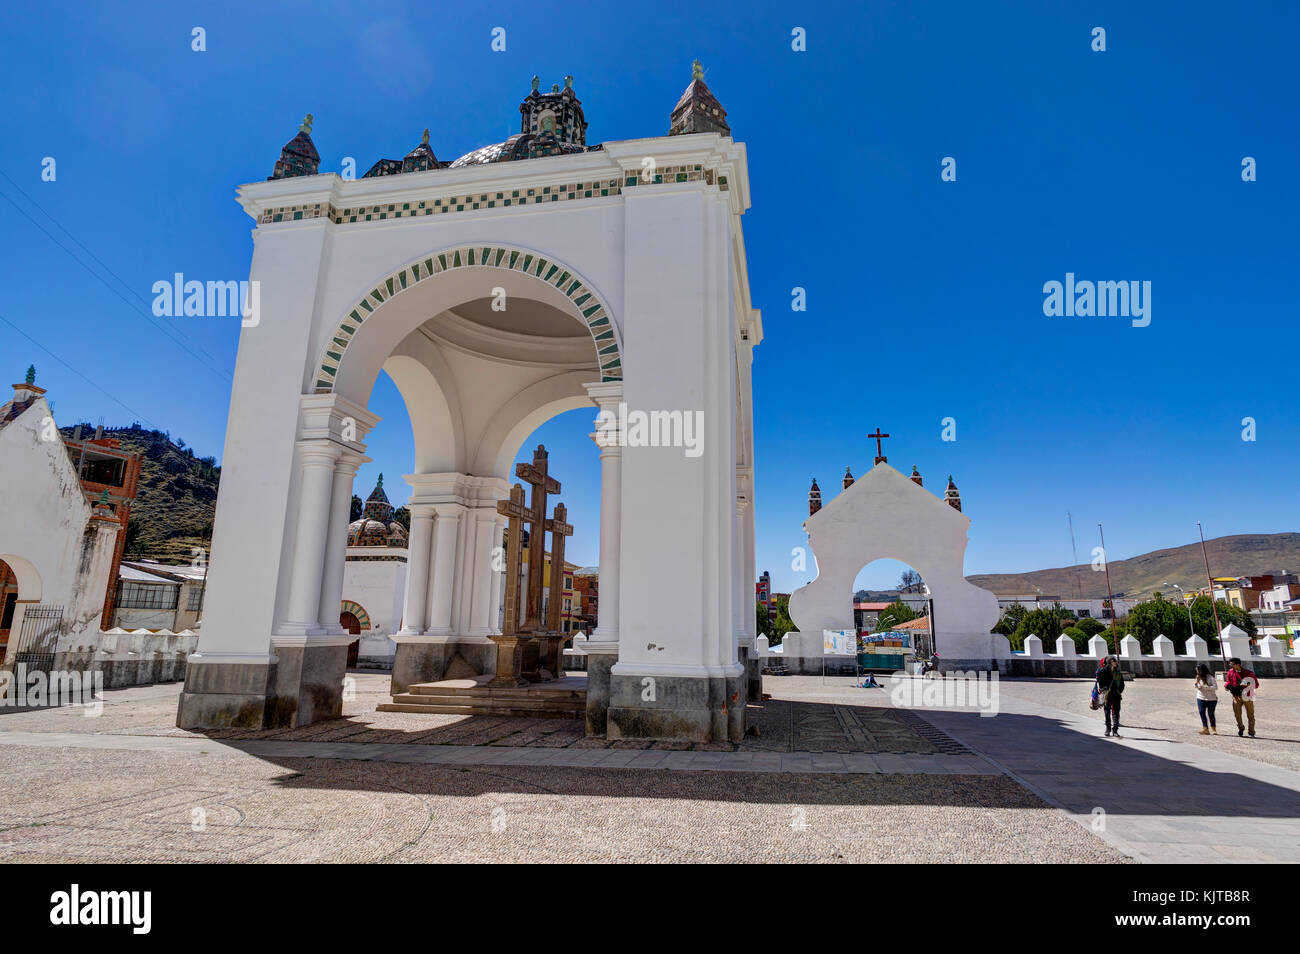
(513, 509)
(542, 484)
(558, 530)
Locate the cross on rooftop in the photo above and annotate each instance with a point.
(880, 454)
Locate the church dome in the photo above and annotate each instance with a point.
(377, 528)
(551, 124)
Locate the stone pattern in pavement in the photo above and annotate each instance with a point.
(781, 725)
(125, 805)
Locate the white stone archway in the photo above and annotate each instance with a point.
(631, 293)
(885, 515)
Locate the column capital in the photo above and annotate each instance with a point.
(350, 462)
(605, 393)
(319, 452)
(603, 441)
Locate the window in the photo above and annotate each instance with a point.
(1085, 613)
(196, 599)
(147, 595)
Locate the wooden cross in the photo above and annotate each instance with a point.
(880, 456)
(558, 530)
(515, 511)
(542, 484)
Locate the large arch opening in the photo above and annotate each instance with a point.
(484, 359)
(893, 609)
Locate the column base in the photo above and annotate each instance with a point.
(753, 664)
(683, 708)
(600, 659)
(421, 659)
(299, 685)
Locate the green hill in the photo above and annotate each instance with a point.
(1247, 554)
(178, 494)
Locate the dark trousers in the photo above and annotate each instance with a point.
(1112, 710)
(1206, 708)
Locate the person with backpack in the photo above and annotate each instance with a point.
(1207, 699)
(1244, 686)
(1110, 688)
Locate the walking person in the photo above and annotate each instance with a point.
(1110, 682)
(1244, 686)
(1207, 699)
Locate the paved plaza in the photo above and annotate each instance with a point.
(833, 773)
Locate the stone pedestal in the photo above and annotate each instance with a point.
(704, 708)
(302, 683)
(511, 661)
(420, 659)
(227, 691)
(753, 664)
(550, 655)
(601, 656)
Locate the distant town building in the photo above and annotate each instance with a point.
(586, 595)
(1090, 608)
(104, 468)
(154, 596)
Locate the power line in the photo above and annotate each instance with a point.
(136, 414)
(149, 317)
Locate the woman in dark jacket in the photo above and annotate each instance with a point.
(1110, 682)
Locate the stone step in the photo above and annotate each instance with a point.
(481, 709)
(503, 693)
(457, 699)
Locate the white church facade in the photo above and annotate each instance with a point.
(526, 279)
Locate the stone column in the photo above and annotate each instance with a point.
(336, 547)
(498, 577)
(415, 616)
(446, 532)
(609, 438)
(317, 460)
(602, 645)
(483, 526)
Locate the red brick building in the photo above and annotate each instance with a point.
(104, 467)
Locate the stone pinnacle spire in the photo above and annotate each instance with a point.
(698, 110)
(299, 156)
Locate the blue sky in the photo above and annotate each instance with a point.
(924, 297)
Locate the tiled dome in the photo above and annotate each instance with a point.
(376, 528)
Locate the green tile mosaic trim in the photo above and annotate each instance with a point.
(594, 311)
(490, 200)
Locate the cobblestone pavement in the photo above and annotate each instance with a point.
(126, 805)
(871, 781)
(780, 725)
(1161, 793)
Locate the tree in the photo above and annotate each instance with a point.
(1043, 623)
(1079, 636)
(1090, 627)
(892, 615)
(909, 581)
(1011, 618)
(357, 507)
(781, 621)
(402, 515)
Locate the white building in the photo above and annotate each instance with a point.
(54, 544)
(374, 582)
(1099, 608)
(523, 280)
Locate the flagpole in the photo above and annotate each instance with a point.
(1209, 582)
(1114, 619)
